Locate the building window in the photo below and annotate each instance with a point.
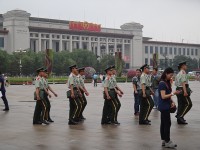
(170, 50)
(166, 50)
(156, 50)
(183, 51)
(196, 52)
(188, 51)
(151, 49)
(179, 51)
(146, 49)
(192, 52)
(146, 60)
(161, 50)
(175, 51)
(1, 42)
(151, 62)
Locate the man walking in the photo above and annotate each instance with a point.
(3, 92)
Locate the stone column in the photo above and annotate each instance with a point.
(39, 42)
(70, 43)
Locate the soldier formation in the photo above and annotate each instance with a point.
(145, 87)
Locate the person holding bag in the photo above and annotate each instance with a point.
(165, 106)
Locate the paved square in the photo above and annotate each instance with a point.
(18, 133)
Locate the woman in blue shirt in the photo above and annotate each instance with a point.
(164, 104)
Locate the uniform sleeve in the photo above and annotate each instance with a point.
(37, 83)
(71, 81)
(106, 83)
(183, 78)
(143, 80)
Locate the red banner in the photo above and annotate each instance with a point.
(84, 26)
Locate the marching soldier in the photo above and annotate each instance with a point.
(47, 86)
(146, 102)
(40, 108)
(73, 94)
(110, 102)
(118, 91)
(83, 91)
(184, 101)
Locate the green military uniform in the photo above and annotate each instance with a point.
(146, 103)
(75, 103)
(184, 102)
(48, 104)
(116, 100)
(40, 108)
(110, 104)
(83, 99)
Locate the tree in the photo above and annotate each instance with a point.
(106, 61)
(191, 63)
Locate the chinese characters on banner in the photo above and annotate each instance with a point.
(84, 26)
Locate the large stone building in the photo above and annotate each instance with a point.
(20, 31)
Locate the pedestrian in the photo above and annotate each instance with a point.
(39, 96)
(3, 92)
(136, 88)
(146, 102)
(83, 90)
(95, 77)
(165, 103)
(73, 94)
(184, 101)
(48, 88)
(155, 82)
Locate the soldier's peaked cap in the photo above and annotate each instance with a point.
(81, 69)
(40, 69)
(108, 68)
(72, 66)
(144, 66)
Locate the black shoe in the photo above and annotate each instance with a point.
(45, 122)
(71, 122)
(181, 121)
(148, 120)
(115, 123)
(144, 123)
(105, 123)
(83, 118)
(37, 122)
(6, 109)
(49, 120)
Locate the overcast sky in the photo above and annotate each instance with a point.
(163, 20)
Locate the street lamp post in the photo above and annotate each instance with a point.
(20, 51)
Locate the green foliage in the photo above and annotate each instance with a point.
(191, 63)
(30, 61)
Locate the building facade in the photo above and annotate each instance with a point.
(20, 31)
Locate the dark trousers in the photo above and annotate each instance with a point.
(4, 99)
(40, 111)
(146, 105)
(75, 108)
(111, 108)
(165, 125)
(95, 82)
(48, 107)
(136, 103)
(184, 105)
(84, 103)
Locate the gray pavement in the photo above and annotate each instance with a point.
(18, 133)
